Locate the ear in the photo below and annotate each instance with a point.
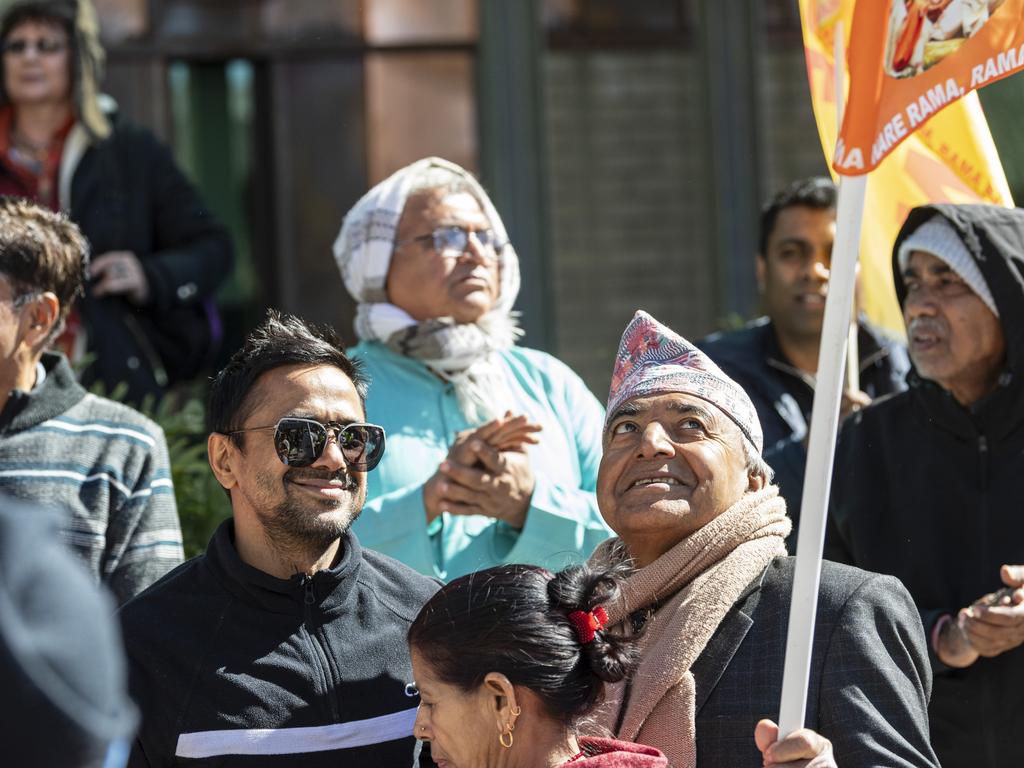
(760, 270)
(756, 482)
(502, 702)
(42, 316)
(221, 452)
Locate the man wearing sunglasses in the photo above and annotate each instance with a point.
(285, 642)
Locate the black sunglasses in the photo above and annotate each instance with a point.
(43, 46)
(300, 442)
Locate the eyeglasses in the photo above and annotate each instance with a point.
(300, 442)
(44, 46)
(21, 299)
(453, 241)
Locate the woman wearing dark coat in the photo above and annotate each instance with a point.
(158, 254)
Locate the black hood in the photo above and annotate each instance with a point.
(994, 236)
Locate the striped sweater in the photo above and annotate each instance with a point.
(104, 462)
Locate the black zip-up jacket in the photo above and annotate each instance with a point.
(930, 492)
(783, 394)
(232, 667)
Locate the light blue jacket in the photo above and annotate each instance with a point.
(422, 417)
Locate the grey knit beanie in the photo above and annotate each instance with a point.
(938, 237)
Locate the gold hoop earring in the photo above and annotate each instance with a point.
(517, 711)
(501, 740)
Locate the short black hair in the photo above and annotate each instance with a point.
(514, 619)
(280, 340)
(817, 192)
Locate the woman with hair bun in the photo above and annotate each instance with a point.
(511, 660)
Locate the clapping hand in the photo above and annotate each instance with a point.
(486, 472)
(507, 433)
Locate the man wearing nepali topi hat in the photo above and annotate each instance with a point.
(683, 484)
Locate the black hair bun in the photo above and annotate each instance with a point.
(610, 656)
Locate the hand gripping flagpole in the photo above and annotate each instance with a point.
(820, 453)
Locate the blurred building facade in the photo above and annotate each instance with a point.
(627, 143)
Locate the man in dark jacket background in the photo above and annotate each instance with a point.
(775, 357)
(927, 484)
(284, 645)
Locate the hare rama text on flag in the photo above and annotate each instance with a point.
(951, 159)
(909, 59)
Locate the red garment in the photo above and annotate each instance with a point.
(610, 753)
(18, 180)
(906, 40)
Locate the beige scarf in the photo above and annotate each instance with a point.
(691, 587)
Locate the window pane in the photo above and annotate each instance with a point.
(415, 21)
(122, 19)
(419, 104)
(629, 206)
(617, 15)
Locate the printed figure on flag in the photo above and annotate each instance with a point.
(882, 109)
(923, 32)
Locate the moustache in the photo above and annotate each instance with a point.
(924, 325)
(348, 482)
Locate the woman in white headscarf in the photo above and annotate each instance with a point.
(492, 448)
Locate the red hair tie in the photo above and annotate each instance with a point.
(587, 623)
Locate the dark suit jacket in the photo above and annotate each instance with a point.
(870, 675)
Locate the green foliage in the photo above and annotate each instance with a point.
(202, 503)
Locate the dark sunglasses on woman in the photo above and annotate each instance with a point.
(300, 442)
(44, 46)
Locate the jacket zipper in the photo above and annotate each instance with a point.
(811, 381)
(988, 705)
(983, 461)
(319, 655)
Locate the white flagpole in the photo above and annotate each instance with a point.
(839, 84)
(832, 356)
(820, 453)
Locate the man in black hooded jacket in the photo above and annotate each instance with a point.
(927, 484)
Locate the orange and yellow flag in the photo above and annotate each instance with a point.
(949, 158)
(908, 59)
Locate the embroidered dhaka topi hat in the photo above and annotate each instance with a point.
(653, 360)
